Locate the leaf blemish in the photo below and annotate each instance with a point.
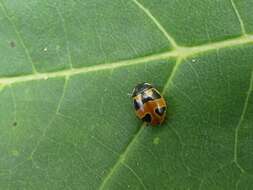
(156, 140)
(12, 44)
(14, 124)
(15, 153)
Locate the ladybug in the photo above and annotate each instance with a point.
(149, 104)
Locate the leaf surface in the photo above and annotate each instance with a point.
(67, 68)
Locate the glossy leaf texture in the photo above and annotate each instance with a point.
(66, 117)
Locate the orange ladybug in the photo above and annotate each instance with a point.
(149, 104)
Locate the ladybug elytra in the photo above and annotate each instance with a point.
(149, 104)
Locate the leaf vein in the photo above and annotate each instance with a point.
(14, 103)
(65, 36)
(63, 95)
(105, 146)
(18, 36)
(157, 23)
(121, 158)
(136, 175)
(182, 52)
(244, 110)
(50, 123)
(239, 17)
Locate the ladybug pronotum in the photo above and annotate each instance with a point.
(149, 104)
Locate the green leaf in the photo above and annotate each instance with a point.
(66, 117)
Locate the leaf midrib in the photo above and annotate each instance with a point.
(180, 52)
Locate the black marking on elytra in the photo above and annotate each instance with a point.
(146, 97)
(155, 95)
(12, 44)
(147, 118)
(14, 124)
(137, 104)
(141, 88)
(160, 111)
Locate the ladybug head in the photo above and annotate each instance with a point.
(139, 88)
